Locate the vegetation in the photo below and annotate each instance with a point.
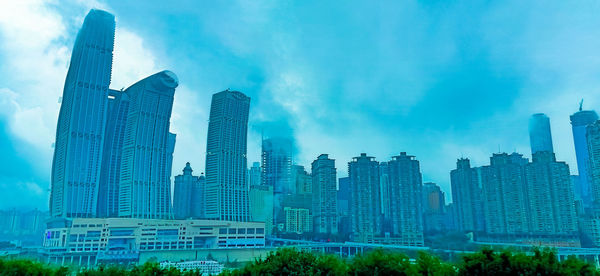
(289, 261)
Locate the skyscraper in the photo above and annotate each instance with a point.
(550, 201)
(467, 197)
(433, 208)
(226, 163)
(277, 172)
(81, 123)
(405, 195)
(145, 184)
(108, 193)
(302, 180)
(324, 195)
(580, 120)
(186, 194)
(593, 149)
(504, 194)
(540, 136)
(254, 175)
(365, 194)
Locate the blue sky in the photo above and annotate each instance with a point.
(437, 79)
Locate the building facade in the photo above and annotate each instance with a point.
(261, 205)
(433, 208)
(324, 195)
(145, 182)
(226, 163)
(579, 121)
(365, 196)
(277, 173)
(78, 151)
(592, 136)
(188, 195)
(540, 136)
(467, 197)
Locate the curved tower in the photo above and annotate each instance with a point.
(145, 186)
(80, 130)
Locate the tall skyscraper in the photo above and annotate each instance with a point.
(540, 136)
(277, 172)
(550, 199)
(80, 130)
(324, 195)
(433, 208)
(365, 194)
(504, 194)
(226, 163)
(187, 193)
(593, 149)
(405, 195)
(579, 121)
(254, 175)
(108, 193)
(467, 197)
(145, 184)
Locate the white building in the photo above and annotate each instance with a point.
(207, 267)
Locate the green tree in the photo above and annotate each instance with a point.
(379, 262)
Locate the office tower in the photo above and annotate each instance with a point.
(504, 194)
(593, 150)
(108, 193)
(277, 172)
(551, 205)
(302, 180)
(81, 124)
(261, 205)
(187, 195)
(405, 195)
(324, 195)
(580, 120)
(540, 136)
(226, 164)
(145, 185)
(365, 208)
(384, 181)
(343, 205)
(467, 197)
(254, 175)
(433, 208)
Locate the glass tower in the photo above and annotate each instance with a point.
(226, 164)
(540, 136)
(81, 123)
(145, 185)
(579, 121)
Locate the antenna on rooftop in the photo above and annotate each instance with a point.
(581, 105)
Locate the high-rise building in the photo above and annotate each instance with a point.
(261, 205)
(324, 195)
(433, 208)
(188, 195)
(226, 163)
(297, 220)
(78, 151)
(365, 194)
(540, 136)
(108, 193)
(277, 173)
(254, 175)
(302, 179)
(550, 199)
(145, 182)
(593, 149)
(504, 194)
(467, 197)
(343, 205)
(580, 120)
(405, 195)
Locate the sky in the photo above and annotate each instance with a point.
(439, 80)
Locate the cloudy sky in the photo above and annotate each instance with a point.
(437, 79)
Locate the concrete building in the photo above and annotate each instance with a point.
(302, 179)
(433, 208)
(405, 195)
(579, 121)
(467, 197)
(540, 136)
(188, 195)
(261, 206)
(343, 206)
(593, 149)
(550, 198)
(324, 195)
(297, 220)
(365, 196)
(93, 241)
(81, 123)
(226, 163)
(206, 267)
(254, 175)
(145, 181)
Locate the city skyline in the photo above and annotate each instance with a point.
(390, 128)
